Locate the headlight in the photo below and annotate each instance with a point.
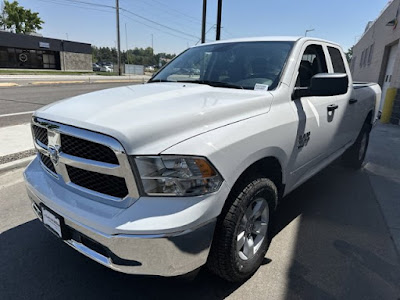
(177, 175)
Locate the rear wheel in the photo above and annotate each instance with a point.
(242, 234)
(355, 155)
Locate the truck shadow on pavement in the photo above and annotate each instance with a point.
(342, 250)
(343, 247)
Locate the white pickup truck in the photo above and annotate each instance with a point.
(188, 169)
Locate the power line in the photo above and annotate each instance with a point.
(169, 10)
(214, 26)
(166, 32)
(95, 7)
(130, 12)
(159, 24)
(92, 4)
(75, 3)
(179, 12)
(226, 31)
(68, 3)
(189, 17)
(159, 13)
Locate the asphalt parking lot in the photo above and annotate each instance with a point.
(17, 102)
(331, 242)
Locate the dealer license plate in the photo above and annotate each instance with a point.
(52, 222)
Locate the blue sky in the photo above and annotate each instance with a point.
(337, 20)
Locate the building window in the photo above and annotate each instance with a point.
(353, 63)
(365, 57)
(362, 59)
(29, 59)
(371, 50)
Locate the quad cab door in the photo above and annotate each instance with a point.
(318, 118)
(349, 114)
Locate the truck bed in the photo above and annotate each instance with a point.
(360, 85)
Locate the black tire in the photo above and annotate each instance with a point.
(355, 155)
(224, 259)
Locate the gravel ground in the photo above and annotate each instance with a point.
(16, 156)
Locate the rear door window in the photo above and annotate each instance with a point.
(337, 60)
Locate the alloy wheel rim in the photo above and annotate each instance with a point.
(252, 229)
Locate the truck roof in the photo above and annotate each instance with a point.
(270, 39)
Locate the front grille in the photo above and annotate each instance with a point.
(82, 148)
(105, 184)
(40, 134)
(47, 162)
(114, 185)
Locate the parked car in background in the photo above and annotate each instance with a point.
(149, 69)
(107, 69)
(105, 66)
(185, 171)
(96, 67)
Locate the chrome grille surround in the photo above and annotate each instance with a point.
(123, 169)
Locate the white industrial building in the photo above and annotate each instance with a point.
(376, 58)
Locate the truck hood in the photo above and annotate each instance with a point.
(149, 118)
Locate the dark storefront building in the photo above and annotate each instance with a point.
(19, 51)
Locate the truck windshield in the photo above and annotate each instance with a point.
(231, 65)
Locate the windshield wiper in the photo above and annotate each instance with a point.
(159, 80)
(214, 83)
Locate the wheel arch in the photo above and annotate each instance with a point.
(269, 167)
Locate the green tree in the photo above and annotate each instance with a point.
(349, 54)
(137, 56)
(16, 18)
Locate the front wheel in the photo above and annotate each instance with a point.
(355, 155)
(242, 234)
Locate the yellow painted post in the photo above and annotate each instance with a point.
(388, 105)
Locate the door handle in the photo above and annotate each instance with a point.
(352, 101)
(332, 107)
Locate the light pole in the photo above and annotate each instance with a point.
(219, 16)
(126, 41)
(308, 30)
(203, 23)
(118, 39)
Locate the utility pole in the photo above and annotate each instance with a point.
(219, 14)
(203, 23)
(118, 38)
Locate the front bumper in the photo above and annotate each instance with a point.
(154, 236)
(163, 255)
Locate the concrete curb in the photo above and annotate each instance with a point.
(8, 84)
(86, 81)
(57, 82)
(20, 163)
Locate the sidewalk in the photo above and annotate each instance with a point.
(383, 168)
(15, 143)
(22, 80)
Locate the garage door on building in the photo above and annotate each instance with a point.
(393, 50)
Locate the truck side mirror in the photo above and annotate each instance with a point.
(329, 84)
(324, 84)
